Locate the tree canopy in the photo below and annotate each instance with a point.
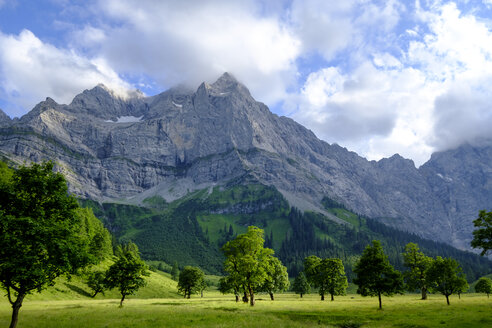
(328, 275)
(375, 275)
(42, 233)
(301, 285)
(447, 277)
(482, 235)
(484, 285)
(191, 281)
(418, 264)
(127, 272)
(247, 261)
(277, 279)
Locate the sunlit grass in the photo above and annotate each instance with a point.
(288, 310)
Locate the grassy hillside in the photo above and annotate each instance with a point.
(192, 230)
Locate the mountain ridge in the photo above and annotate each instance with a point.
(183, 140)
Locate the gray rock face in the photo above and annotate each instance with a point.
(182, 140)
(4, 118)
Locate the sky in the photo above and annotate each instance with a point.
(377, 77)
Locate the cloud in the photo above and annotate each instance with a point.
(190, 42)
(32, 70)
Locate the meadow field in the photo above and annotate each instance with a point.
(288, 310)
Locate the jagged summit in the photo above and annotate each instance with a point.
(182, 140)
(4, 117)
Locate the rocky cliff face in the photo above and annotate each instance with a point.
(182, 140)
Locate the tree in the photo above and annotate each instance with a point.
(277, 279)
(328, 275)
(175, 271)
(96, 281)
(191, 281)
(484, 285)
(127, 272)
(447, 277)
(227, 285)
(301, 285)
(418, 263)
(247, 261)
(41, 235)
(482, 236)
(375, 275)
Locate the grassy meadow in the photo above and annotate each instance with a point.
(288, 310)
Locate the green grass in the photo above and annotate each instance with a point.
(288, 310)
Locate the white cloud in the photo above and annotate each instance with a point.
(32, 70)
(175, 42)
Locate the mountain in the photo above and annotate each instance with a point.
(131, 148)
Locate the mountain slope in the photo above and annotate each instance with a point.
(130, 149)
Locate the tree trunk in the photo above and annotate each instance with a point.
(15, 310)
(245, 297)
(271, 296)
(459, 295)
(380, 304)
(332, 298)
(323, 297)
(237, 298)
(447, 299)
(301, 295)
(201, 293)
(424, 293)
(122, 299)
(251, 297)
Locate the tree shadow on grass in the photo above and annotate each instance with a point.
(78, 290)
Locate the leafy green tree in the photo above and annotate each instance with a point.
(191, 281)
(484, 285)
(41, 235)
(96, 281)
(175, 271)
(446, 277)
(418, 263)
(482, 236)
(328, 275)
(277, 279)
(301, 285)
(375, 275)
(247, 261)
(127, 272)
(229, 285)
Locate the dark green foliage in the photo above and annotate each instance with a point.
(100, 245)
(247, 261)
(127, 272)
(228, 285)
(277, 279)
(446, 276)
(418, 264)
(96, 281)
(375, 275)
(328, 275)
(41, 233)
(484, 285)
(191, 281)
(301, 285)
(175, 271)
(482, 236)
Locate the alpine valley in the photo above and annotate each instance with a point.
(182, 172)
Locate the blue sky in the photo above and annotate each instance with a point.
(378, 77)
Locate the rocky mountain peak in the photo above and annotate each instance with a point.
(4, 117)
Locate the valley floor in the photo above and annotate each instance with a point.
(288, 310)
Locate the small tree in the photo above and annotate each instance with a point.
(96, 281)
(447, 277)
(375, 275)
(41, 235)
(175, 271)
(328, 275)
(228, 285)
(484, 285)
(482, 236)
(277, 279)
(418, 263)
(301, 285)
(247, 261)
(191, 281)
(127, 272)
